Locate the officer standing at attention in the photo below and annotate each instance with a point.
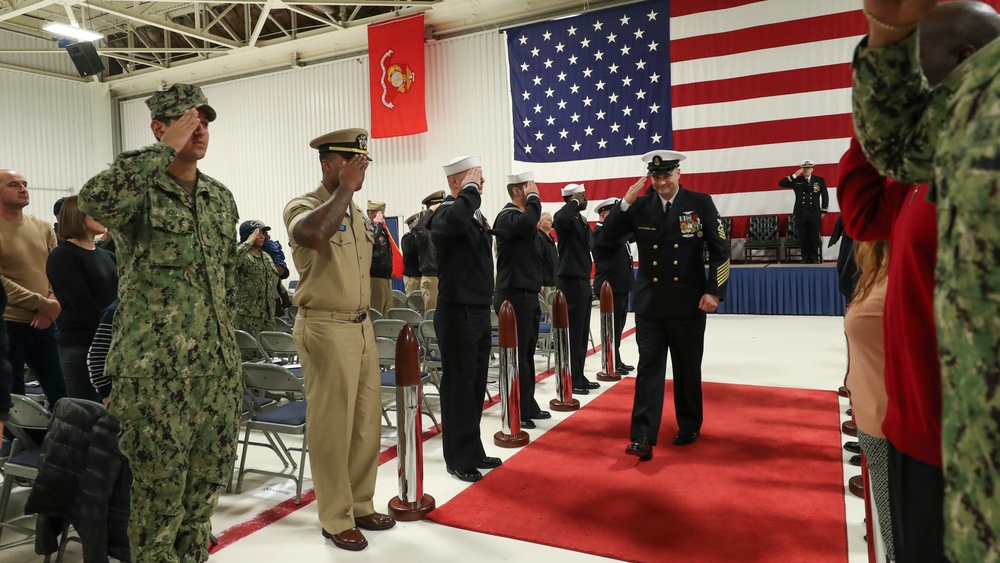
(175, 363)
(331, 240)
(613, 264)
(545, 247)
(425, 245)
(462, 321)
(575, 240)
(256, 278)
(381, 271)
(411, 257)
(671, 226)
(811, 202)
(519, 277)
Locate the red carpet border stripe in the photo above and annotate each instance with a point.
(264, 519)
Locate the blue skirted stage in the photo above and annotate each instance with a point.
(783, 289)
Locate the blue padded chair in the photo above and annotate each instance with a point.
(287, 418)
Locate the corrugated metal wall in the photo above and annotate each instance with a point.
(260, 142)
(55, 132)
(58, 62)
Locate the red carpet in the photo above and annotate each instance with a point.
(763, 483)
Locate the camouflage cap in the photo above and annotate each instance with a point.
(177, 99)
(248, 227)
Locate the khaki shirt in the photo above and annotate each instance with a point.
(335, 277)
(176, 267)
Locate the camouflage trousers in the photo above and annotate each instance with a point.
(179, 436)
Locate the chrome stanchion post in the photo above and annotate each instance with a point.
(564, 400)
(608, 371)
(412, 503)
(510, 434)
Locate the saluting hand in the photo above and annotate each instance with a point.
(474, 176)
(709, 303)
(179, 131)
(530, 188)
(634, 189)
(799, 172)
(352, 174)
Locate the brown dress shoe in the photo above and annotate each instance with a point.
(849, 428)
(350, 539)
(857, 486)
(375, 521)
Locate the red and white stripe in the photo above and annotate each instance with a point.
(756, 87)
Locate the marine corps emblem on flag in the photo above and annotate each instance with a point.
(396, 79)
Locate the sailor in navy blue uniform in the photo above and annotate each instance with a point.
(811, 202)
(519, 278)
(463, 246)
(672, 295)
(573, 279)
(613, 264)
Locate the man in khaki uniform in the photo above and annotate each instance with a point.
(428, 276)
(381, 270)
(331, 240)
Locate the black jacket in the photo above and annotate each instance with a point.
(381, 253)
(518, 265)
(83, 480)
(546, 250)
(575, 239)
(411, 255)
(612, 262)
(464, 251)
(671, 278)
(811, 196)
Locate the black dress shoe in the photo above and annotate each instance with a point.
(641, 448)
(489, 463)
(686, 438)
(625, 368)
(855, 460)
(853, 447)
(593, 385)
(470, 476)
(542, 415)
(581, 391)
(527, 424)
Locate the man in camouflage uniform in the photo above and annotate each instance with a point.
(256, 279)
(949, 137)
(173, 359)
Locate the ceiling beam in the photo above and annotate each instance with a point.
(33, 7)
(163, 23)
(313, 15)
(261, 21)
(37, 72)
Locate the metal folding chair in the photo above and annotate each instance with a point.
(27, 418)
(278, 345)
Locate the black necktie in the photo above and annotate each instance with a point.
(666, 209)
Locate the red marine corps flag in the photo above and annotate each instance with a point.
(396, 77)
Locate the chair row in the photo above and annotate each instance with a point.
(763, 235)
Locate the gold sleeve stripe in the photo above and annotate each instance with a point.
(722, 276)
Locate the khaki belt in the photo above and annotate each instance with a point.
(351, 317)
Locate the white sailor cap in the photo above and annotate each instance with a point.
(461, 164)
(807, 164)
(571, 189)
(520, 178)
(662, 161)
(610, 202)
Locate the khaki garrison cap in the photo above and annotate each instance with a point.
(376, 206)
(412, 218)
(176, 100)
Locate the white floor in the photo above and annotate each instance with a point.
(781, 351)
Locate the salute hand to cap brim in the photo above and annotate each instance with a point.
(531, 188)
(799, 172)
(474, 176)
(178, 132)
(352, 174)
(634, 190)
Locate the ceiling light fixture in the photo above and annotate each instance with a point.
(71, 31)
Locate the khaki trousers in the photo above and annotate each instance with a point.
(381, 296)
(412, 284)
(430, 286)
(340, 368)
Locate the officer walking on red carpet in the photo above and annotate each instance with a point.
(671, 225)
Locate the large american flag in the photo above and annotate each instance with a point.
(747, 89)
